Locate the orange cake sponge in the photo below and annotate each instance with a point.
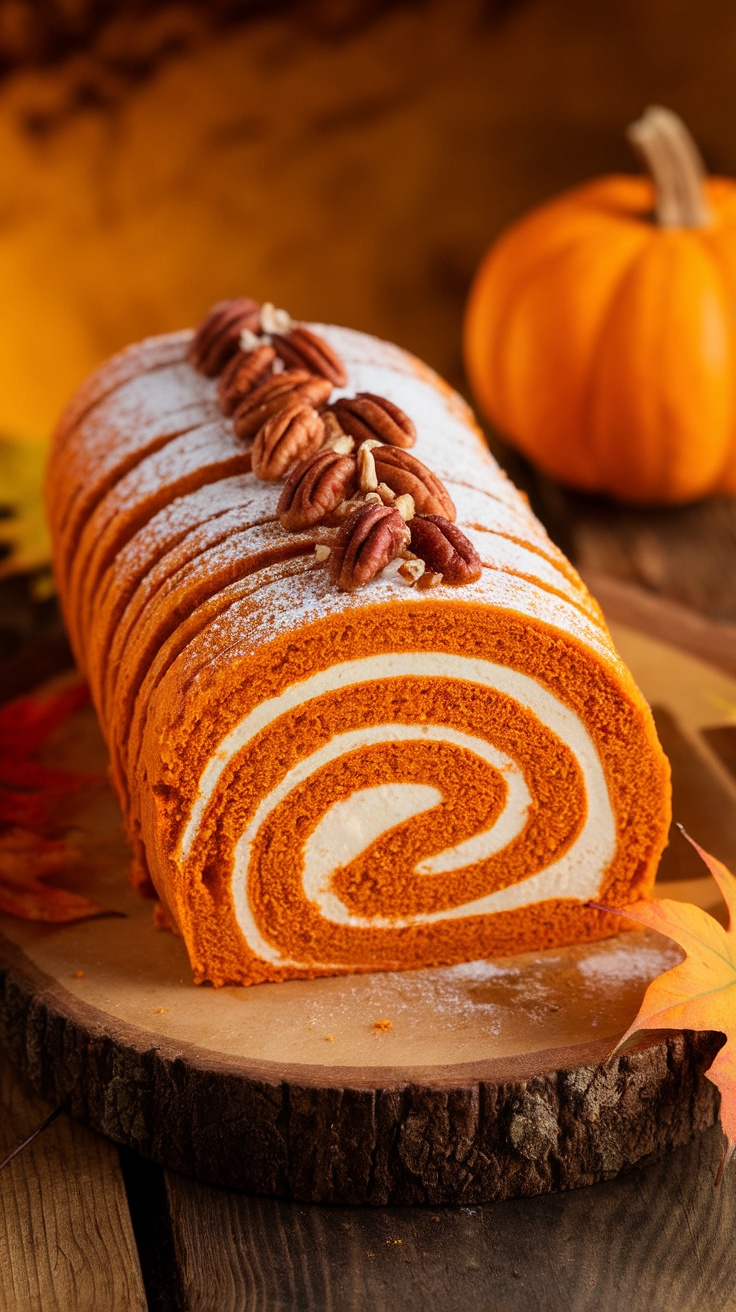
(362, 713)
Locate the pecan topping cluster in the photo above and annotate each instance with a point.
(346, 462)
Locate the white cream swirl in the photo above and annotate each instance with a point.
(351, 825)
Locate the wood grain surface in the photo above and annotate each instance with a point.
(66, 1240)
(654, 1240)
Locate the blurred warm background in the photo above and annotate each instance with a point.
(346, 159)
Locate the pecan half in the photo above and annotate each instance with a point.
(315, 488)
(367, 415)
(368, 541)
(445, 549)
(246, 371)
(290, 435)
(302, 349)
(218, 335)
(404, 474)
(288, 388)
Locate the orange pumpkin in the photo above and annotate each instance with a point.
(600, 333)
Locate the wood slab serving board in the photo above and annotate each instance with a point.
(482, 1081)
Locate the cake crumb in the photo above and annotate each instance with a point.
(382, 1026)
(329, 1038)
(162, 920)
(160, 1011)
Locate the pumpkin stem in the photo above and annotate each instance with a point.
(675, 166)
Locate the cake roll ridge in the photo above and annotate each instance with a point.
(132, 362)
(325, 774)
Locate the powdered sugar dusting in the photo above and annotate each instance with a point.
(191, 453)
(199, 455)
(636, 958)
(503, 515)
(290, 605)
(150, 354)
(183, 514)
(478, 1010)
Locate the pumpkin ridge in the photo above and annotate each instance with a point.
(656, 464)
(698, 234)
(550, 256)
(725, 481)
(489, 369)
(535, 437)
(588, 390)
(664, 426)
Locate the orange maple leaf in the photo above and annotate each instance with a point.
(31, 794)
(699, 993)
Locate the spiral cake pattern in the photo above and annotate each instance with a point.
(320, 781)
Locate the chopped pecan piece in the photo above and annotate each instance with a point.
(404, 474)
(302, 349)
(368, 541)
(334, 436)
(405, 506)
(348, 508)
(277, 392)
(445, 549)
(412, 570)
(273, 320)
(366, 415)
(315, 488)
(246, 371)
(218, 335)
(366, 469)
(288, 436)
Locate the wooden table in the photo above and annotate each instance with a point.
(86, 1228)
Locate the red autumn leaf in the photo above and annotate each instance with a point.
(26, 861)
(31, 793)
(699, 993)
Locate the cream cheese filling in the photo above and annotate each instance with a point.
(349, 826)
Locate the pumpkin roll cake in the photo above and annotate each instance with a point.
(362, 714)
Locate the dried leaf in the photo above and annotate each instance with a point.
(31, 797)
(30, 792)
(26, 861)
(23, 532)
(699, 993)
